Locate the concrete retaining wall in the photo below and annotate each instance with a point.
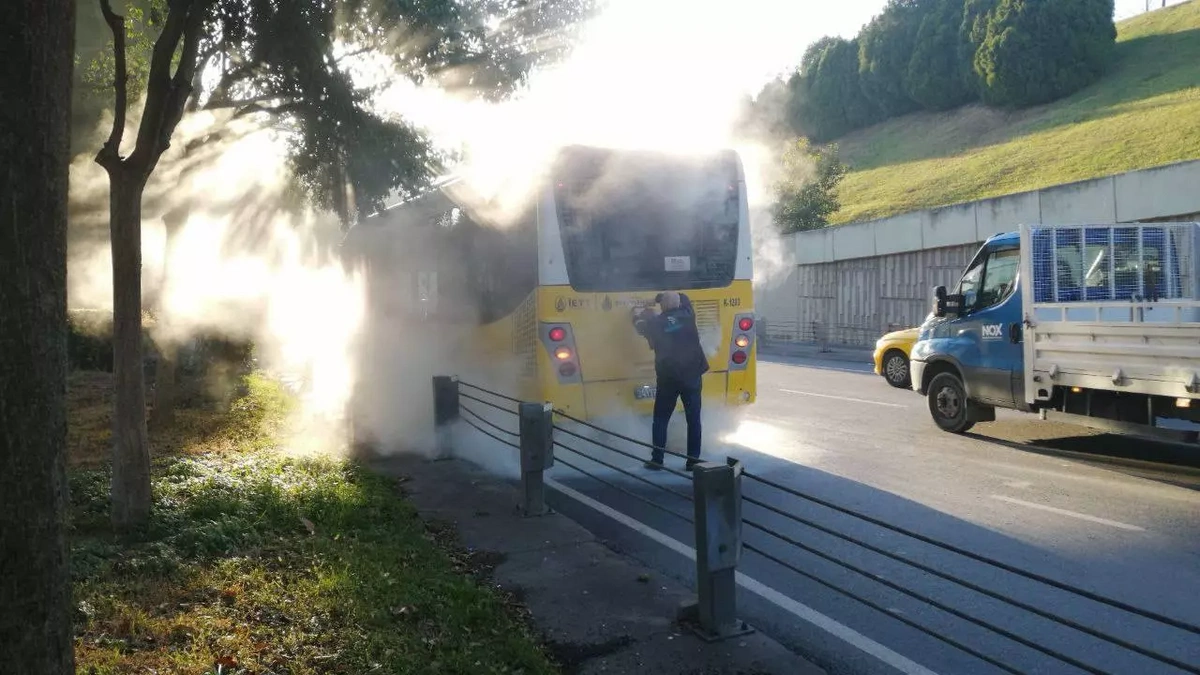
(854, 282)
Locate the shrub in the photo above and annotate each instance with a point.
(807, 194)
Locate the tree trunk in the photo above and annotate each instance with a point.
(36, 46)
(131, 452)
(162, 413)
(163, 410)
(166, 96)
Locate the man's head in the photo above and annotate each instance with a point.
(668, 300)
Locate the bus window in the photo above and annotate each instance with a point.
(635, 222)
(501, 264)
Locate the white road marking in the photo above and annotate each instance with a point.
(1018, 484)
(842, 398)
(1071, 514)
(797, 609)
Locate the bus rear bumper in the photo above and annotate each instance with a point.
(618, 398)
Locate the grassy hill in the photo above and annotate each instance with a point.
(1144, 113)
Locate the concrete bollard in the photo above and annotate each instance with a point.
(445, 413)
(717, 489)
(537, 455)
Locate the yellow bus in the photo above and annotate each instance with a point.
(551, 289)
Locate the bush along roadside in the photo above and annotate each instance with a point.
(255, 562)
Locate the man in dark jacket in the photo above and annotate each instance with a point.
(679, 364)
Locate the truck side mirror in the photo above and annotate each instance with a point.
(939, 301)
(946, 304)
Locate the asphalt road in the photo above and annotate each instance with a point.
(1115, 517)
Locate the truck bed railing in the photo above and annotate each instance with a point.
(1111, 307)
(1163, 311)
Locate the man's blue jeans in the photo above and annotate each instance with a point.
(670, 391)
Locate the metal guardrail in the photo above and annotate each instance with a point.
(717, 518)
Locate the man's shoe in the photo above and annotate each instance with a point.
(653, 465)
(691, 464)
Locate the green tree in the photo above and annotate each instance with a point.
(975, 17)
(940, 73)
(765, 116)
(806, 195)
(1036, 51)
(35, 579)
(971, 33)
(285, 62)
(827, 96)
(886, 46)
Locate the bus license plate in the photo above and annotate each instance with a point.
(644, 392)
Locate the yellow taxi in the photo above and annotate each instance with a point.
(891, 356)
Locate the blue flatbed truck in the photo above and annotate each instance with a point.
(1093, 324)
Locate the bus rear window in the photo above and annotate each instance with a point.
(639, 221)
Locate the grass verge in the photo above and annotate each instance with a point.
(255, 562)
(1144, 113)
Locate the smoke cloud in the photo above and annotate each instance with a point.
(249, 260)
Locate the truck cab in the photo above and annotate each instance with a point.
(1094, 324)
(968, 359)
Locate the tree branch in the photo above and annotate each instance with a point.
(356, 52)
(277, 110)
(241, 102)
(158, 86)
(167, 94)
(220, 93)
(109, 156)
(201, 64)
(181, 85)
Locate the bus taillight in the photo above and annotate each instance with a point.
(558, 339)
(741, 341)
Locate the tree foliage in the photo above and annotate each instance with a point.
(940, 54)
(806, 195)
(940, 74)
(828, 99)
(1036, 52)
(886, 46)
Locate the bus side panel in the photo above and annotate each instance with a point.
(503, 357)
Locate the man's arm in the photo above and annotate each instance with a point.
(654, 331)
(685, 303)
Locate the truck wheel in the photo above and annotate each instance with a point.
(895, 370)
(948, 404)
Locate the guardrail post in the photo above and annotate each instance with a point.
(537, 454)
(445, 412)
(717, 489)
